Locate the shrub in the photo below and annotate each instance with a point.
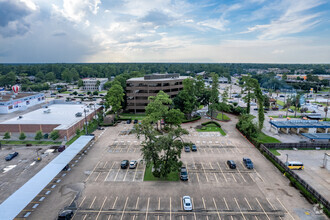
(95, 93)
(22, 136)
(38, 135)
(7, 135)
(46, 136)
(54, 135)
(193, 119)
(211, 122)
(77, 131)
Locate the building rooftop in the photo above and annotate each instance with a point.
(6, 97)
(58, 114)
(93, 79)
(300, 124)
(325, 136)
(157, 79)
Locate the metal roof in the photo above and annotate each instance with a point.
(300, 124)
(14, 204)
(325, 136)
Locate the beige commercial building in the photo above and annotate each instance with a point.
(139, 89)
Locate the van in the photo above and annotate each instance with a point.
(295, 165)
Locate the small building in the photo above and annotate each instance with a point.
(11, 102)
(94, 84)
(66, 118)
(139, 89)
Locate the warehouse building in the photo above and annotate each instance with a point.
(66, 118)
(11, 102)
(139, 89)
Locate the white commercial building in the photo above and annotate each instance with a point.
(90, 84)
(11, 102)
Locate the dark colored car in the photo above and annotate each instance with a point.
(187, 148)
(11, 156)
(100, 128)
(136, 121)
(183, 174)
(194, 148)
(248, 163)
(61, 148)
(129, 121)
(231, 164)
(65, 215)
(124, 164)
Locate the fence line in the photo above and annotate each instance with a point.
(298, 145)
(308, 187)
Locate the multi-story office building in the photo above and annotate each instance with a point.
(91, 84)
(11, 102)
(139, 89)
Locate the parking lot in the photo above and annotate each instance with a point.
(97, 188)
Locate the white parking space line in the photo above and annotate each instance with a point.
(285, 208)
(234, 177)
(207, 217)
(216, 207)
(239, 208)
(92, 202)
(78, 207)
(114, 203)
(101, 208)
(117, 174)
(109, 172)
(260, 177)
(262, 209)
(97, 177)
(205, 173)
(222, 172)
(248, 203)
(214, 173)
(158, 203)
(224, 199)
(126, 174)
(92, 171)
(147, 208)
(170, 208)
(241, 175)
(122, 214)
(270, 204)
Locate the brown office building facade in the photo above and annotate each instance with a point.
(139, 89)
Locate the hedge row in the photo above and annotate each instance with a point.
(211, 122)
(191, 120)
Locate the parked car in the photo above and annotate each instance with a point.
(194, 148)
(231, 164)
(248, 163)
(61, 148)
(183, 174)
(132, 164)
(290, 110)
(129, 121)
(136, 121)
(282, 96)
(11, 156)
(65, 215)
(100, 128)
(187, 205)
(256, 109)
(101, 95)
(187, 148)
(124, 164)
(81, 94)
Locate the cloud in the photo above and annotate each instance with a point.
(76, 10)
(156, 17)
(13, 17)
(218, 24)
(294, 20)
(59, 34)
(277, 51)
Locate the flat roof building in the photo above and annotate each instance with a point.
(61, 117)
(11, 102)
(139, 89)
(91, 84)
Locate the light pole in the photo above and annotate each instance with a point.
(287, 159)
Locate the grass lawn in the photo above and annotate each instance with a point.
(173, 176)
(274, 151)
(223, 118)
(66, 92)
(290, 116)
(73, 139)
(132, 116)
(279, 102)
(30, 142)
(201, 106)
(267, 139)
(212, 128)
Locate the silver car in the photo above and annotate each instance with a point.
(132, 164)
(187, 205)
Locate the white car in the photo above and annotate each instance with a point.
(187, 205)
(132, 164)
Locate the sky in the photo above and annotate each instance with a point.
(196, 31)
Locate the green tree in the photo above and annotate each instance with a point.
(247, 127)
(75, 93)
(80, 83)
(38, 135)
(40, 76)
(95, 93)
(54, 134)
(115, 98)
(214, 98)
(50, 77)
(22, 136)
(7, 135)
(186, 100)
(248, 87)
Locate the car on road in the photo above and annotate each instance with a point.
(65, 215)
(132, 164)
(187, 148)
(290, 110)
(187, 205)
(248, 162)
(136, 121)
(183, 174)
(194, 148)
(11, 156)
(231, 164)
(124, 164)
(129, 121)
